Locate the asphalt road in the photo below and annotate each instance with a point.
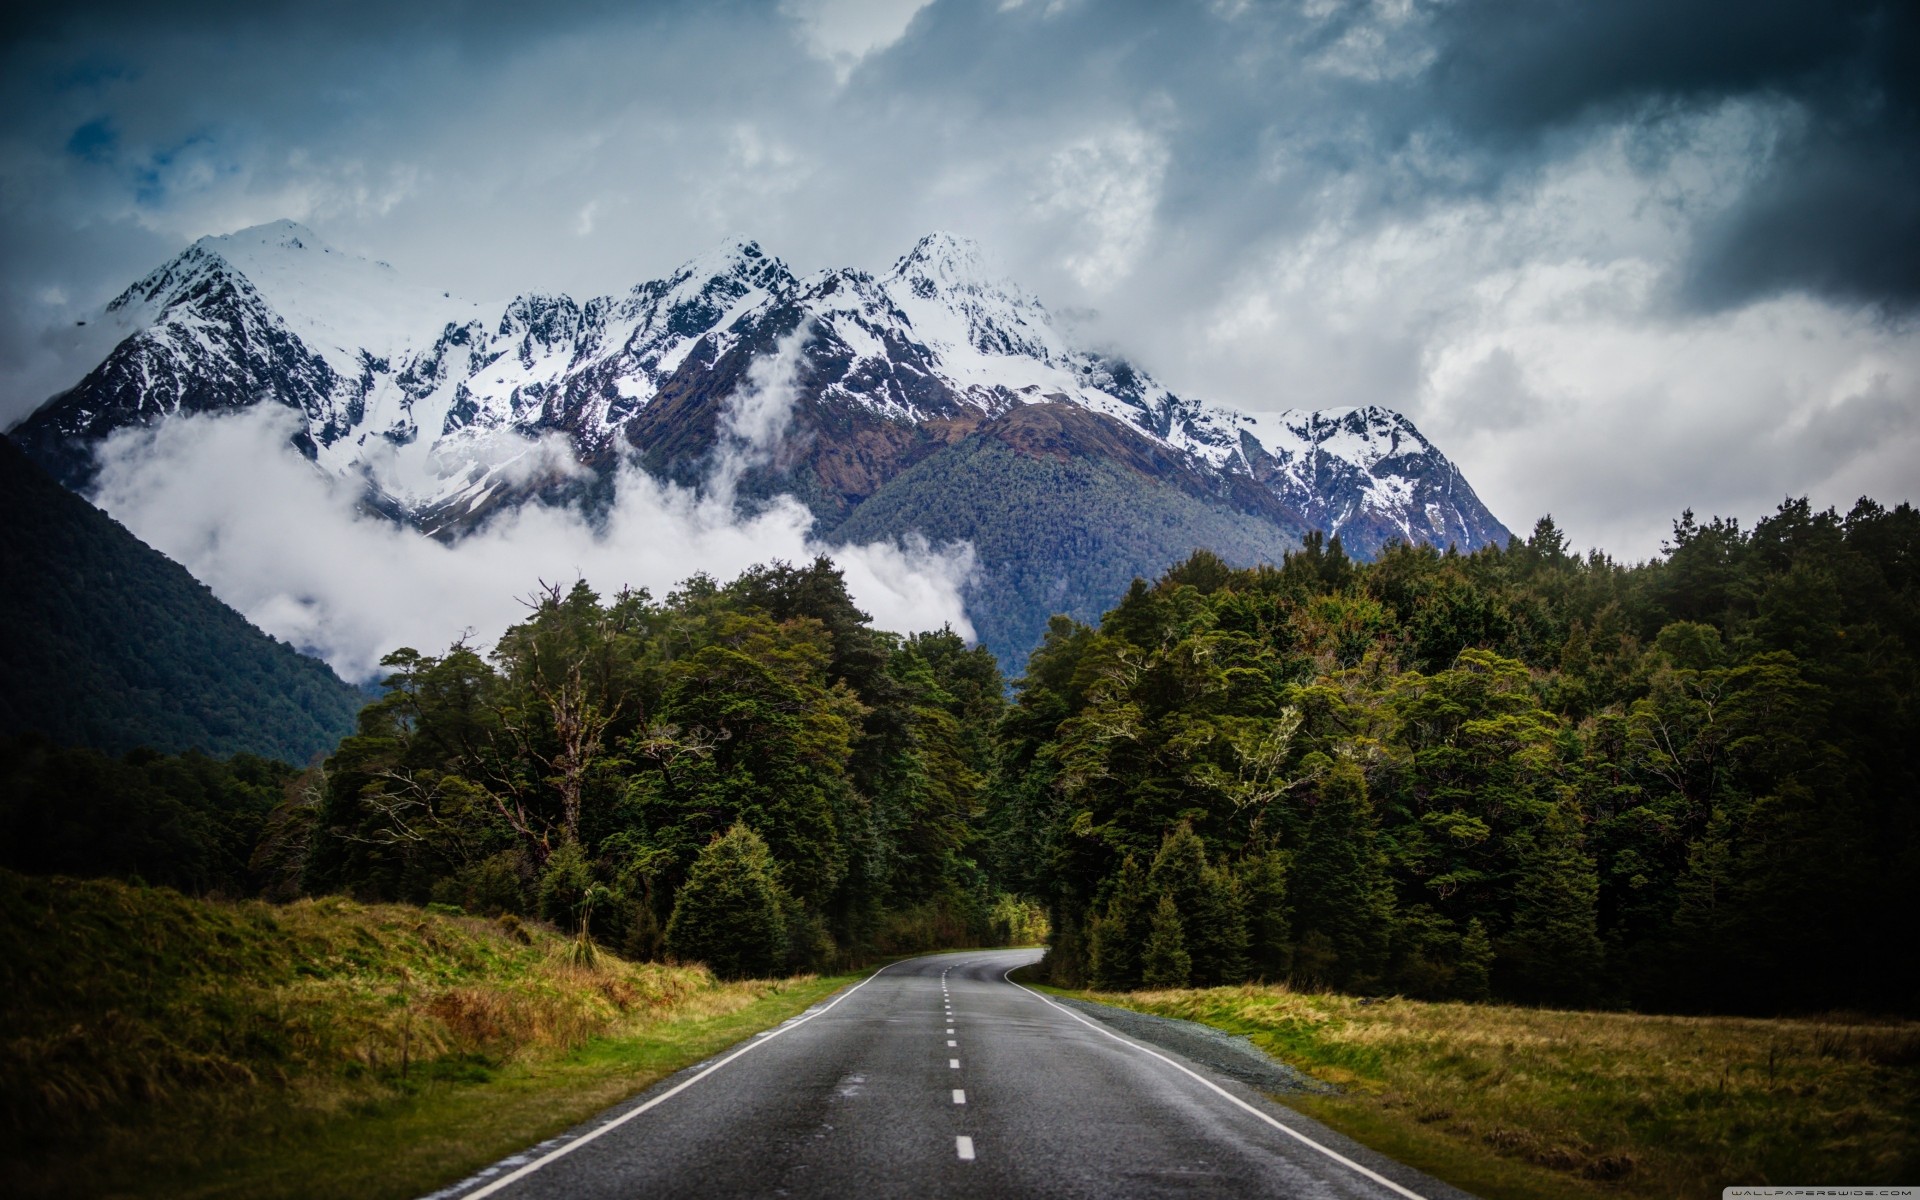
(937, 1077)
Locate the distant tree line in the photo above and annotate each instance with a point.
(1518, 773)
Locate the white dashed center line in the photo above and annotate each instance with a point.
(959, 1096)
(949, 1030)
(951, 1042)
(954, 1063)
(963, 1146)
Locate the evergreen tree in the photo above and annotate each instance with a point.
(1472, 979)
(1115, 937)
(1554, 946)
(1216, 927)
(1339, 883)
(1263, 890)
(1165, 962)
(728, 913)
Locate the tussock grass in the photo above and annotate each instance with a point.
(157, 1044)
(1520, 1102)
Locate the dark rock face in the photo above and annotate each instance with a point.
(874, 382)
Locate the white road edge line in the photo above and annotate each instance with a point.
(623, 1118)
(1335, 1155)
(963, 1146)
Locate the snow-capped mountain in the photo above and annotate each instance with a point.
(450, 408)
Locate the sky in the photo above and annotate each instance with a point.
(1615, 259)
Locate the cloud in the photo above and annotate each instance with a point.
(1832, 210)
(842, 32)
(1323, 202)
(1107, 185)
(290, 547)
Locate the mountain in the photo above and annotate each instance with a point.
(111, 644)
(874, 399)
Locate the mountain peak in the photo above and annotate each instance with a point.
(283, 234)
(736, 264)
(946, 261)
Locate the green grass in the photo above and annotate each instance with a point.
(159, 1045)
(1513, 1103)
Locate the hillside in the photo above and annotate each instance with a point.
(112, 645)
(156, 1043)
(1032, 516)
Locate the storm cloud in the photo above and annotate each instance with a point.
(1617, 259)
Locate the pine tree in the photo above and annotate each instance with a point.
(727, 914)
(1223, 916)
(1115, 937)
(1471, 980)
(1216, 927)
(1166, 963)
(1263, 891)
(1555, 942)
(1341, 903)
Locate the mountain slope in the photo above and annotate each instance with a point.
(1055, 533)
(112, 645)
(734, 371)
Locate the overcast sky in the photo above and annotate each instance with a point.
(1615, 258)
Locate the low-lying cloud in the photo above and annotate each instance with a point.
(289, 546)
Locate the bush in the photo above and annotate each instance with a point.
(728, 913)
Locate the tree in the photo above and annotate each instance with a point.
(1554, 947)
(1115, 936)
(728, 913)
(1340, 886)
(1471, 980)
(1165, 962)
(1215, 927)
(1263, 890)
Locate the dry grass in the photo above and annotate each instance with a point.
(1532, 1102)
(148, 1034)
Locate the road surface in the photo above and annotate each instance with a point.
(938, 1077)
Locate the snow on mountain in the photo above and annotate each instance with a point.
(448, 405)
(340, 306)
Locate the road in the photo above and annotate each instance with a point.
(938, 1077)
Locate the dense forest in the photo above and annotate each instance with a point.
(1686, 784)
(1518, 773)
(750, 761)
(111, 644)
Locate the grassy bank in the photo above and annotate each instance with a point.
(159, 1045)
(1515, 1102)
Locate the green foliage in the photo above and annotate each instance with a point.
(112, 645)
(1340, 902)
(603, 744)
(1554, 946)
(1517, 773)
(1263, 889)
(1164, 961)
(186, 821)
(730, 913)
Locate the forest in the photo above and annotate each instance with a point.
(1683, 785)
(1521, 773)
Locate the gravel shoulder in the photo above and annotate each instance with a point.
(1230, 1054)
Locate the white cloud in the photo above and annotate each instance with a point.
(1107, 185)
(841, 33)
(289, 547)
(1532, 334)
